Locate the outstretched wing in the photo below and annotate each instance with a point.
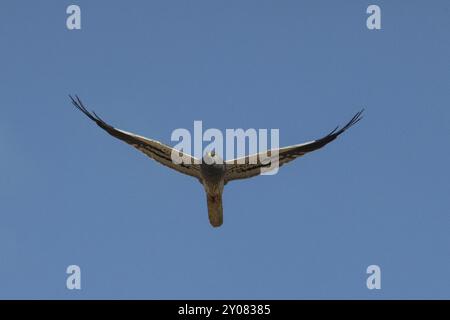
(152, 148)
(253, 165)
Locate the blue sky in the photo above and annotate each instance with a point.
(71, 194)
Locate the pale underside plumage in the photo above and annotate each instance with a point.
(241, 168)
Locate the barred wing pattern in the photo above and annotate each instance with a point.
(250, 166)
(152, 148)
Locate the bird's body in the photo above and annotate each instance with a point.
(212, 172)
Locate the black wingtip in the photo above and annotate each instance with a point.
(356, 118)
(91, 115)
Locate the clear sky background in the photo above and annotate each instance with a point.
(71, 194)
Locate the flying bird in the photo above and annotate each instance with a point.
(212, 173)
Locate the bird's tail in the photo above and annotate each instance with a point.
(215, 209)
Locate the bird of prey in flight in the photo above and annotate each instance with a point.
(213, 174)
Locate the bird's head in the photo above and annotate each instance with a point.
(211, 158)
